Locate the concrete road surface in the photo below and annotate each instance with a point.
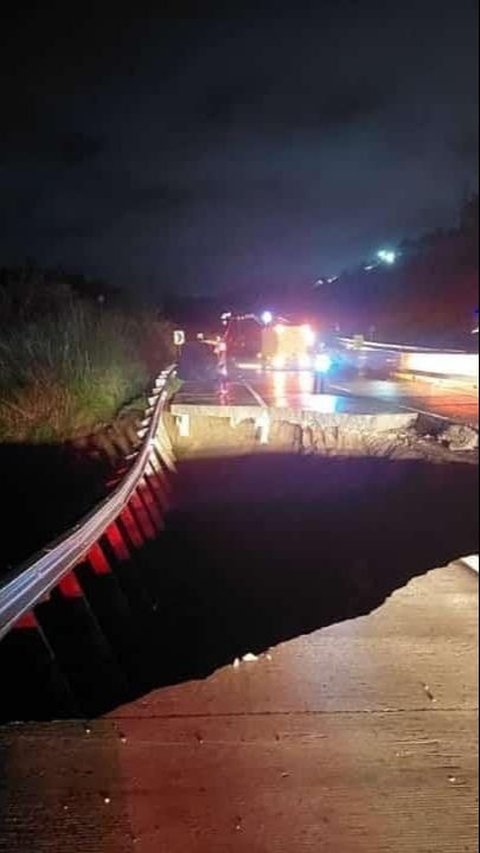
(357, 738)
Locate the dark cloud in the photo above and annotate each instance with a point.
(78, 147)
(37, 144)
(205, 147)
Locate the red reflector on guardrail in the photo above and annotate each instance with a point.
(98, 561)
(69, 587)
(27, 621)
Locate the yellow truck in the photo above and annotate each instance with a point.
(276, 344)
(287, 347)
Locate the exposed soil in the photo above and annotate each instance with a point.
(351, 436)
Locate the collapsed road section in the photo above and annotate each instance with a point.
(333, 426)
(303, 675)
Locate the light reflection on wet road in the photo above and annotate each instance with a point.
(295, 390)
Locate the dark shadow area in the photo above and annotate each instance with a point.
(264, 548)
(46, 489)
(257, 550)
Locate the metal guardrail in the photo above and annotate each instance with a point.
(423, 362)
(22, 588)
(351, 342)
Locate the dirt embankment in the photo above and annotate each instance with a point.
(48, 487)
(348, 436)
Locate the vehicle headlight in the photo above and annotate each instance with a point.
(323, 362)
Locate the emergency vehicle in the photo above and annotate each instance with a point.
(269, 342)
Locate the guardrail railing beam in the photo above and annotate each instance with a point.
(23, 588)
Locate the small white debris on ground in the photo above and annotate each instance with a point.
(249, 657)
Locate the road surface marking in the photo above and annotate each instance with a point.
(256, 396)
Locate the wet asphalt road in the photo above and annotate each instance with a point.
(343, 392)
(288, 389)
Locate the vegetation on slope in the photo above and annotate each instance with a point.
(69, 363)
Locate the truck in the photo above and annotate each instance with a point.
(277, 345)
(287, 346)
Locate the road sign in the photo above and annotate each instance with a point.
(178, 337)
(358, 341)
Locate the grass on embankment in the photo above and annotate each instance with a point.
(65, 373)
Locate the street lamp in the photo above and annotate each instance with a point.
(387, 256)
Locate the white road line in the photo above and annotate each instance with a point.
(345, 390)
(256, 396)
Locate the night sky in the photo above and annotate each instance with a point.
(209, 151)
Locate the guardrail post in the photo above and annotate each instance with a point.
(164, 449)
(142, 515)
(114, 614)
(81, 649)
(33, 685)
(122, 561)
(150, 499)
(131, 528)
(128, 521)
(158, 485)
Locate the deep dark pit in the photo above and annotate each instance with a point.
(47, 488)
(264, 548)
(259, 549)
